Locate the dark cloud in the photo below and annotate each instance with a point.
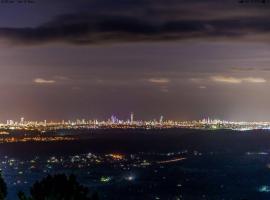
(125, 29)
(127, 21)
(250, 69)
(243, 69)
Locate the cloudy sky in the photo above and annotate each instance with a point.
(63, 59)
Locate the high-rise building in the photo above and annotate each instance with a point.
(132, 118)
(114, 119)
(22, 121)
(161, 119)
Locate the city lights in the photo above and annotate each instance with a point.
(130, 123)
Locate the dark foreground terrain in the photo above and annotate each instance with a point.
(148, 164)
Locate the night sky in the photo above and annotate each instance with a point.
(62, 59)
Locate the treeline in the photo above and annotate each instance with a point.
(53, 187)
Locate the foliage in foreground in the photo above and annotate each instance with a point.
(58, 187)
(3, 188)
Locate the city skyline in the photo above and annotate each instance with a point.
(114, 122)
(88, 59)
(128, 119)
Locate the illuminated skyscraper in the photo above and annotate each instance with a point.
(22, 120)
(114, 119)
(161, 119)
(131, 118)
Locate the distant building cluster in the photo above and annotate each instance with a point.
(131, 122)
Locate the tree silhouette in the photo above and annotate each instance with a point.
(3, 188)
(58, 187)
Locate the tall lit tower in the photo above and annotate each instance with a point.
(131, 118)
(161, 119)
(22, 121)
